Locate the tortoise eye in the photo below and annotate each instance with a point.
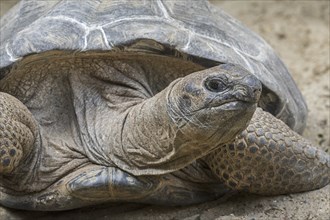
(215, 85)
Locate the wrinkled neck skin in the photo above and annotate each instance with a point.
(159, 139)
(146, 134)
(185, 121)
(140, 113)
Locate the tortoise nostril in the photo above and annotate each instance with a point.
(215, 85)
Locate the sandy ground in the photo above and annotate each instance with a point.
(299, 32)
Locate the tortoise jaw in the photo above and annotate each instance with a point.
(231, 105)
(238, 105)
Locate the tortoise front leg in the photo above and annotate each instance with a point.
(18, 131)
(269, 158)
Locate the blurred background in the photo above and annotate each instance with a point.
(5, 5)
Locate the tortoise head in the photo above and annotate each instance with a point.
(218, 100)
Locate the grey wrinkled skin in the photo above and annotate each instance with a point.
(144, 101)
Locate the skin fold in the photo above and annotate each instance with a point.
(107, 132)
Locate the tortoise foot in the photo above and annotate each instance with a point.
(17, 133)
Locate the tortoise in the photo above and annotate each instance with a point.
(160, 102)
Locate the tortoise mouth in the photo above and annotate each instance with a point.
(235, 105)
(235, 102)
(232, 106)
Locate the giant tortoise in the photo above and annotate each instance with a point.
(163, 102)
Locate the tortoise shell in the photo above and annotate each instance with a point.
(194, 31)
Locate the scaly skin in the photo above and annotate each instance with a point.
(66, 171)
(18, 132)
(189, 118)
(269, 158)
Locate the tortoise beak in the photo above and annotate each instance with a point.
(248, 89)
